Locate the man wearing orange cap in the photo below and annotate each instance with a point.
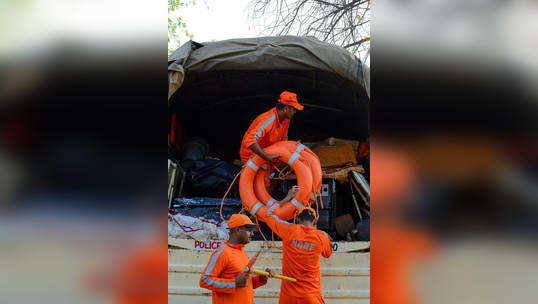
(270, 127)
(302, 246)
(224, 274)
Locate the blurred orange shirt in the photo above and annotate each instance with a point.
(143, 279)
(394, 249)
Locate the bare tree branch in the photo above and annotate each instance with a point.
(341, 22)
(357, 42)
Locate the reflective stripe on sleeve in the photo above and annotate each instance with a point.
(263, 126)
(209, 269)
(271, 202)
(270, 213)
(297, 204)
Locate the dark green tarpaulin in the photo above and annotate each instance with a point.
(265, 53)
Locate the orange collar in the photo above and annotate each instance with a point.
(238, 246)
(276, 114)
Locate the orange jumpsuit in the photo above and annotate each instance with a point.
(219, 275)
(302, 247)
(265, 130)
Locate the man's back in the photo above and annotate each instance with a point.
(302, 249)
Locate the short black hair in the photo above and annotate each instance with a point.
(280, 106)
(306, 216)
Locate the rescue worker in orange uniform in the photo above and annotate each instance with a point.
(270, 127)
(224, 274)
(302, 246)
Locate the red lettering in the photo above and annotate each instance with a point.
(210, 245)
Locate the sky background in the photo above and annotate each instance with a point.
(217, 20)
(214, 20)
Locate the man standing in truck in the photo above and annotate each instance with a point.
(270, 127)
(302, 246)
(224, 274)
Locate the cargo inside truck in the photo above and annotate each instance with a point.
(216, 90)
(212, 110)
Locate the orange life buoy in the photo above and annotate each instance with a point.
(308, 158)
(304, 179)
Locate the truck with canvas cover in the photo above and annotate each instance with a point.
(216, 89)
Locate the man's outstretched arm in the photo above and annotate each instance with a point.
(255, 147)
(278, 226)
(291, 194)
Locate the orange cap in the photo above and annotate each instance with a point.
(238, 220)
(290, 99)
